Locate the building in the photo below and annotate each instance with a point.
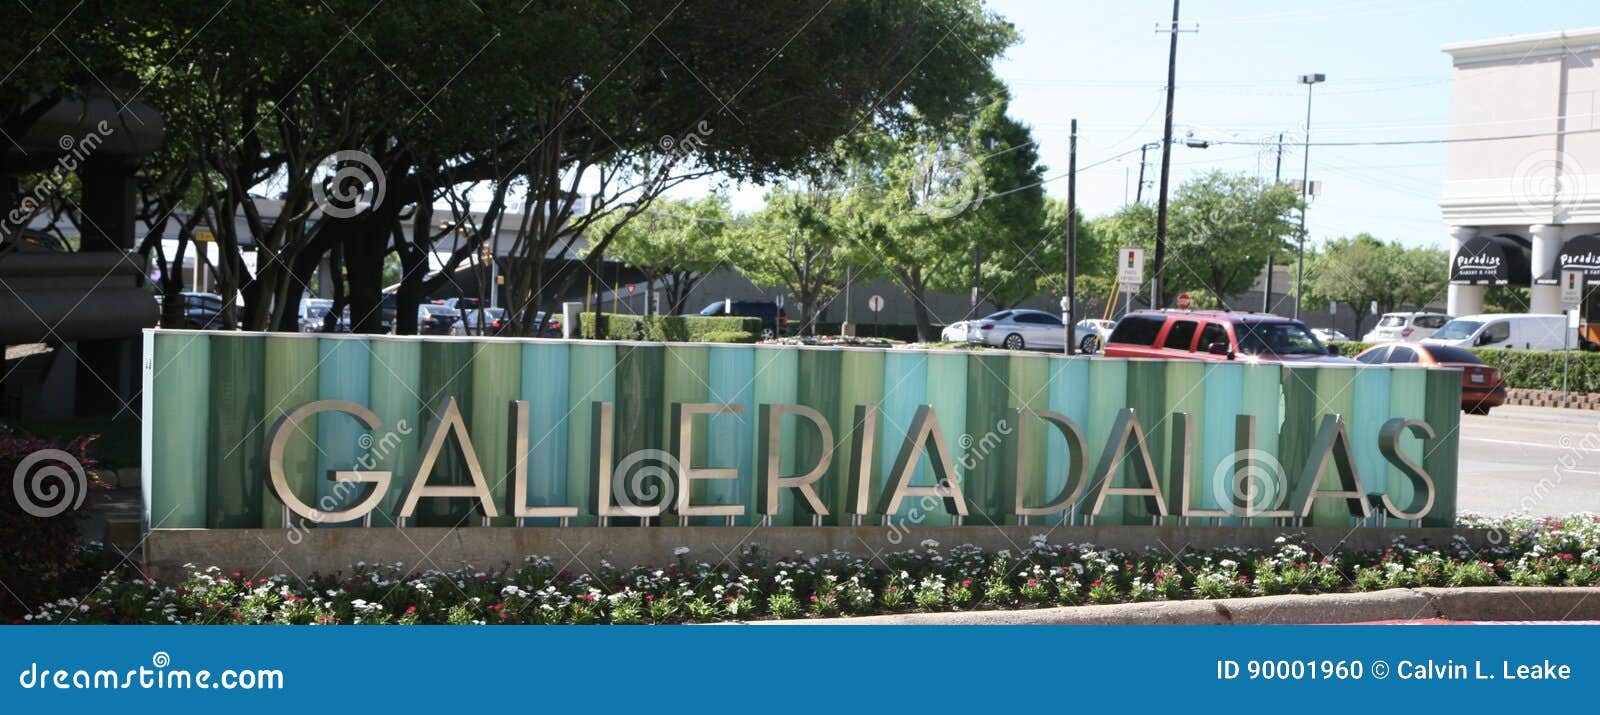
(1521, 193)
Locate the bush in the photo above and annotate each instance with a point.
(669, 328)
(42, 558)
(730, 336)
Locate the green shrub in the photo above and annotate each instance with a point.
(669, 328)
(730, 336)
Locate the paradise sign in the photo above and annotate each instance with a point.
(245, 430)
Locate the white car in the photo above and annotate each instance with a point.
(1092, 334)
(1021, 329)
(956, 332)
(1406, 327)
(1327, 334)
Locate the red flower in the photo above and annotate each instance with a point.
(410, 610)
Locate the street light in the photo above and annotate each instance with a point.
(1309, 80)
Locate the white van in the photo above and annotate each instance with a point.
(1522, 331)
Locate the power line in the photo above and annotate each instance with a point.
(1408, 142)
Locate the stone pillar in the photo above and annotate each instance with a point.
(1546, 249)
(1463, 299)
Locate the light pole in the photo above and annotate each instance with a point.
(1309, 80)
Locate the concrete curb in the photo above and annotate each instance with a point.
(1489, 603)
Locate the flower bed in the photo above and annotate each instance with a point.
(761, 584)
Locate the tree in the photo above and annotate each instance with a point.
(794, 243)
(1223, 227)
(1354, 271)
(920, 202)
(675, 244)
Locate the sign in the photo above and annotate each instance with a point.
(325, 429)
(630, 289)
(1183, 301)
(875, 303)
(203, 235)
(1572, 287)
(1130, 269)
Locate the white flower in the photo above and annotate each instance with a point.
(681, 550)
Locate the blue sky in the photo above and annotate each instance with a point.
(1103, 63)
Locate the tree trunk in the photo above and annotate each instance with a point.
(363, 257)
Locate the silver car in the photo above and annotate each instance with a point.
(1021, 330)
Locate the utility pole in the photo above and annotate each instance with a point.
(1277, 178)
(1138, 193)
(1309, 80)
(1158, 277)
(1071, 307)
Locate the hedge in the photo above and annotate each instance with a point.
(672, 328)
(1527, 369)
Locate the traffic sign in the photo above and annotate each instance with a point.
(1572, 287)
(203, 235)
(875, 303)
(1130, 269)
(1183, 301)
(630, 289)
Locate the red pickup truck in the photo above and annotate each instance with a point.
(1218, 335)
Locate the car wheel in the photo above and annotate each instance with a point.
(1089, 345)
(1478, 410)
(767, 334)
(1013, 342)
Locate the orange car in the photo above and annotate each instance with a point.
(1482, 387)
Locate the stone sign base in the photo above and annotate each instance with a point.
(298, 554)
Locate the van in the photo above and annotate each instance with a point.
(1218, 335)
(1522, 331)
(1405, 327)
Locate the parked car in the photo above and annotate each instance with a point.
(1021, 330)
(1092, 334)
(1523, 331)
(1482, 386)
(314, 316)
(957, 332)
(1329, 334)
(1219, 335)
(480, 321)
(773, 319)
(1405, 327)
(436, 319)
(201, 311)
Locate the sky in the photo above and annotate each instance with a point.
(1104, 64)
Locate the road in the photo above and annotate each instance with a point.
(1544, 461)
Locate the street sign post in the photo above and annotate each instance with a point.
(1183, 301)
(1572, 280)
(1572, 287)
(875, 304)
(1130, 269)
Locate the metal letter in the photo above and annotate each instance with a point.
(1332, 441)
(286, 427)
(1178, 460)
(447, 419)
(683, 415)
(770, 437)
(923, 434)
(1126, 429)
(519, 470)
(600, 448)
(1389, 445)
(863, 445)
(1077, 464)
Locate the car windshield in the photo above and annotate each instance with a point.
(1264, 338)
(712, 309)
(438, 309)
(997, 316)
(1457, 330)
(1392, 321)
(316, 311)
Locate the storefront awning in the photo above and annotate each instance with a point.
(1578, 252)
(1491, 260)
